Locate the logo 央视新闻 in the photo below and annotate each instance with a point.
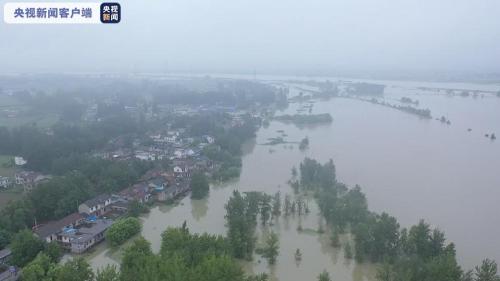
(110, 12)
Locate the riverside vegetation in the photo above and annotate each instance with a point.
(411, 254)
(414, 254)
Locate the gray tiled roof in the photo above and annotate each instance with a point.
(84, 234)
(100, 199)
(54, 227)
(97, 227)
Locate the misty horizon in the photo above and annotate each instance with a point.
(449, 39)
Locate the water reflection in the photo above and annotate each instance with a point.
(199, 208)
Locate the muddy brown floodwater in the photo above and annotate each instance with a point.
(409, 167)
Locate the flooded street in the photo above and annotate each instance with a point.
(410, 167)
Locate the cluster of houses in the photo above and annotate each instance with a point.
(5, 182)
(27, 179)
(172, 145)
(169, 145)
(30, 179)
(81, 230)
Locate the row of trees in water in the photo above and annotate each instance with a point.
(411, 254)
(242, 214)
(183, 257)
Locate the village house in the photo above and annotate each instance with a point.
(138, 192)
(177, 188)
(172, 137)
(208, 139)
(151, 174)
(121, 205)
(203, 164)
(19, 161)
(147, 156)
(184, 168)
(5, 182)
(74, 233)
(49, 231)
(30, 179)
(158, 186)
(178, 153)
(181, 171)
(96, 206)
(83, 238)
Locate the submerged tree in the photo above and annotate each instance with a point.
(277, 204)
(324, 276)
(348, 251)
(487, 271)
(385, 273)
(108, 273)
(335, 238)
(271, 248)
(298, 255)
(265, 208)
(199, 186)
(287, 205)
(241, 218)
(304, 143)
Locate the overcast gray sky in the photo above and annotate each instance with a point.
(270, 36)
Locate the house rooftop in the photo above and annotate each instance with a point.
(55, 226)
(100, 199)
(81, 238)
(121, 204)
(97, 227)
(5, 253)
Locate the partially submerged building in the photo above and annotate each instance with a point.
(75, 232)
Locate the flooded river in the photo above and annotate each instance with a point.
(409, 167)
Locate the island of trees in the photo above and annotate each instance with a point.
(183, 257)
(304, 143)
(409, 100)
(199, 186)
(416, 253)
(444, 120)
(366, 89)
(424, 113)
(302, 119)
(122, 230)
